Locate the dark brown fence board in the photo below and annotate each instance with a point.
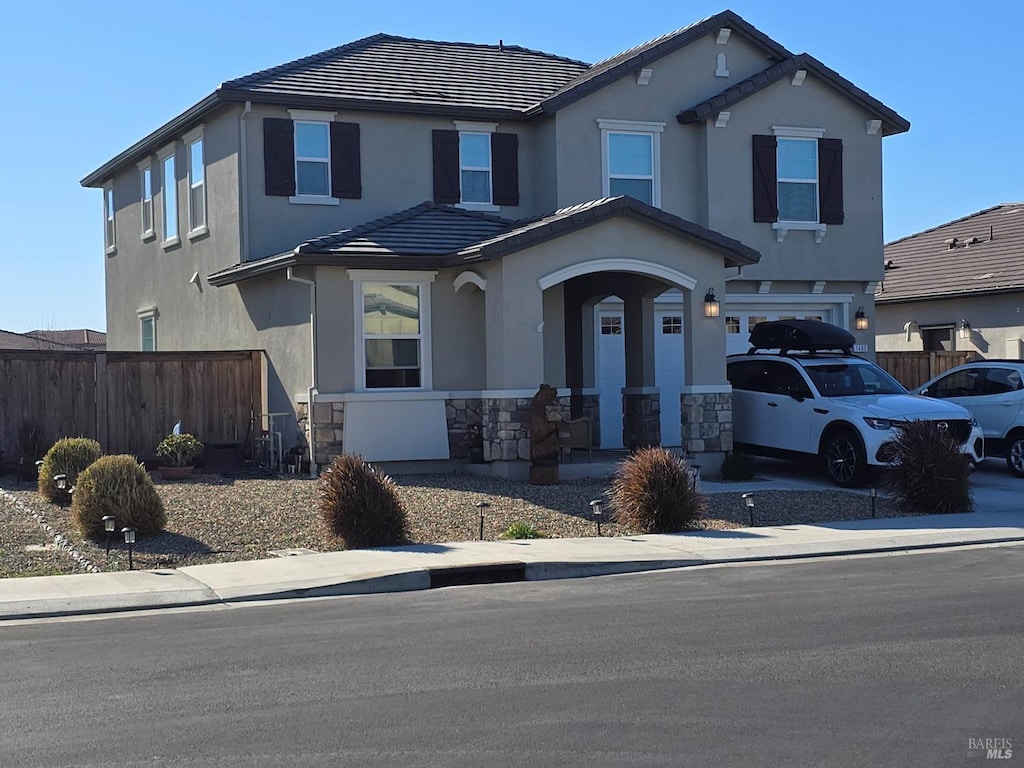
(128, 400)
(912, 369)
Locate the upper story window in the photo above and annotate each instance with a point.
(476, 167)
(311, 158)
(631, 159)
(108, 218)
(798, 180)
(169, 193)
(146, 195)
(393, 334)
(196, 183)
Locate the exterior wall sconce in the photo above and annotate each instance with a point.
(712, 306)
(964, 331)
(861, 320)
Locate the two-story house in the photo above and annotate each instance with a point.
(420, 233)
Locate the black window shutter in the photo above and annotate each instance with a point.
(346, 178)
(766, 188)
(830, 181)
(446, 167)
(505, 169)
(278, 156)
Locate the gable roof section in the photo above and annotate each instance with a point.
(399, 73)
(431, 236)
(987, 256)
(76, 336)
(891, 121)
(634, 59)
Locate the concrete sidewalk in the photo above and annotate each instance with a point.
(423, 566)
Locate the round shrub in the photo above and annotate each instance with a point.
(521, 530)
(68, 456)
(118, 486)
(653, 492)
(360, 504)
(928, 475)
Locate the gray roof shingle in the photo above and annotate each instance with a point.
(398, 71)
(433, 236)
(25, 342)
(977, 254)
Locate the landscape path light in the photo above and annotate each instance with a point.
(595, 509)
(109, 525)
(874, 494)
(748, 502)
(61, 481)
(481, 506)
(129, 539)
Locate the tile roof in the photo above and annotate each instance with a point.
(25, 342)
(387, 70)
(78, 336)
(433, 236)
(891, 121)
(977, 254)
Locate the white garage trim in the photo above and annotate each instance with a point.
(679, 279)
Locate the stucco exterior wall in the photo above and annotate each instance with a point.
(997, 324)
(396, 161)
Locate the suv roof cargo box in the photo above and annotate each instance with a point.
(809, 335)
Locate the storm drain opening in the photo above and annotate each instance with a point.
(466, 575)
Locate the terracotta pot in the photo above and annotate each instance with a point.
(175, 473)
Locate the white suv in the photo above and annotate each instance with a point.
(832, 405)
(993, 391)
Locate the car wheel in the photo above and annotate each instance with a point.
(1015, 454)
(845, 461)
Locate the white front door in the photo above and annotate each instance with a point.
(669, 371)
(611, 374)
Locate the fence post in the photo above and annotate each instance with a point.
(102, 398)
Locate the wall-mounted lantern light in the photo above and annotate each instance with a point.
(712, 306)
(861, 321)
(964, 331)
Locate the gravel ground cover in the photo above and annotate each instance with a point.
(213, 518)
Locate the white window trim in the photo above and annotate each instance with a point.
(148, 313)
(190, 139)
(393, 277)
(169, 151)
(109, 220)
(796, 132)
(654, 130)
(466, 126)
(782, 227)
(305, 197)
(146, 166)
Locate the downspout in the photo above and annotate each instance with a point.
(243, 183)
(311, 392)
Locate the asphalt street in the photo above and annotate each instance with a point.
(895, 660)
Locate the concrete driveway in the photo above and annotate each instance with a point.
(994, 487)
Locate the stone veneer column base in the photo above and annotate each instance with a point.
(328, 431)
(641, 419)
(465, 430)
(707, 421)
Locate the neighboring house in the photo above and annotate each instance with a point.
(958, 286)
(576, 219)
(79, 337)
(24, 341)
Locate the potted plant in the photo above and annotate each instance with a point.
(177, 456)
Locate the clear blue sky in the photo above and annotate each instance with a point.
(83, 81)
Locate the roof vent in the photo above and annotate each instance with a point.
(952, 243)
(890, 264)
(501, 45)
(971, 241)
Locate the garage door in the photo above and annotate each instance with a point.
(738, 323)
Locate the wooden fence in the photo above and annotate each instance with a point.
(912, 369)
(129, 401)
